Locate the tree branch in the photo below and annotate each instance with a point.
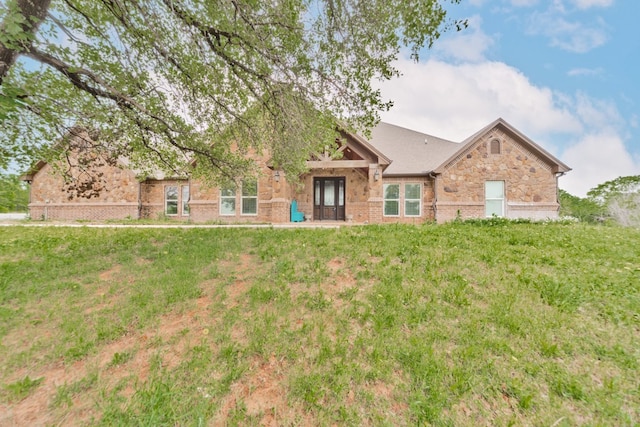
(29, 14)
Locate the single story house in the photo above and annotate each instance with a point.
(398, 175)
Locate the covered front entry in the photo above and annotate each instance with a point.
(328, 199)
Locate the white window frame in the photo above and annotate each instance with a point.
(244, 198)
(406, 199)
(239, 198)
(494, 199)
(233, 198)
(385, 199)
(185, 199)
(167, 200)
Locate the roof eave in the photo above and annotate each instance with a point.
(405, 174)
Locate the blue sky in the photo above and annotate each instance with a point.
(564, 72)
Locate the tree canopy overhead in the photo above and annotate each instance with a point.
(161, 81)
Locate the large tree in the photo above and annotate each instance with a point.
(14, 195)
(620, 198)
(161, 81)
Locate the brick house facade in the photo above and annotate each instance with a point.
(398, 175)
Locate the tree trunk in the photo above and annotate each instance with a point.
(34, 11)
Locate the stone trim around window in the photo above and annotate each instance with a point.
(495, 146)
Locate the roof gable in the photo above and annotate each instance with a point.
(554, 163)
(353, 151)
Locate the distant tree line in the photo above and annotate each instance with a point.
(615, 200)
(14, 194)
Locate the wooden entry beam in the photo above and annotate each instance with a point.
(337, 164)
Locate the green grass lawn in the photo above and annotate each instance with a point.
(481, 323)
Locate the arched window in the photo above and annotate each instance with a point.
(495, 147)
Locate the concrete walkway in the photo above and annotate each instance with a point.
(12, 216)
(307, 224)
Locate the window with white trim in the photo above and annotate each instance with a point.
(249, 200)
(412, 199)
(171, 200)
(391, 199)
(494, 198)
(228, 200)
(246, 197)
(185, 200)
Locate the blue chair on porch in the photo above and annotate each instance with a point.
(295, 215)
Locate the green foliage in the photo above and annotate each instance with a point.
(14, 194)
(620, 198)
(21, 388)
(164, 80)
(605, 192)
(583, 209)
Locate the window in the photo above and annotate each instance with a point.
(391, 199)
(185, 200)
(228, 200)
(250, 197)
(412, 200)
(494, 198)
(171, 200)
(247, 197)
(495, 146)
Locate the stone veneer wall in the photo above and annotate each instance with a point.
(117, 200)
(356, 193)
(530, 184)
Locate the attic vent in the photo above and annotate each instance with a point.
(495, 147)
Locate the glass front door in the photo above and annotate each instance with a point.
(328, 199)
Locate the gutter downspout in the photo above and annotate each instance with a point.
(558, 176)
(139, 199)
(434, 204)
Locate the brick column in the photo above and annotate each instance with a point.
(375, 194)
(280, 205)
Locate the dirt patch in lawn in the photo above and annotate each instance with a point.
(171, 339)
(126, 362)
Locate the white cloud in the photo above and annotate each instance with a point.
(599, 154)
(586, 4)
(469, 45)
(585, 72)
(597, 113)
(514, 3)
(523, 3)
(454, 101)
(597, 157)
(572, 36)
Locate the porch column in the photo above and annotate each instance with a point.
(375, 194)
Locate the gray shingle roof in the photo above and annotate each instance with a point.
(412, 153)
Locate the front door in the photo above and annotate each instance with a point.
(328, 199)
